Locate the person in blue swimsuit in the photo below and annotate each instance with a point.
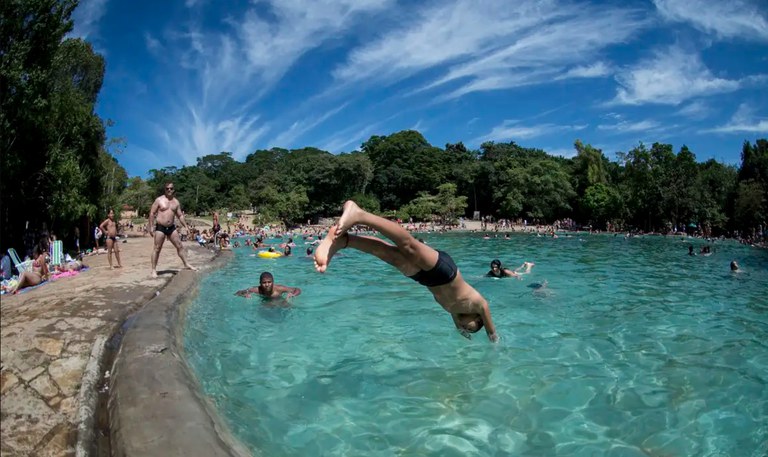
(431, 268)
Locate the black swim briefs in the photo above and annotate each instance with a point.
(443, 272)
(166, 230)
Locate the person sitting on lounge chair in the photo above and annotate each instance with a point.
(36, 275)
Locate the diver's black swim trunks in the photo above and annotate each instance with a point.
(167, 230)
(442, 273)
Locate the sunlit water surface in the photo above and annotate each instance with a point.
(633, 348)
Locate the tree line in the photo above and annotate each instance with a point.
(647, 188)
(58, 170)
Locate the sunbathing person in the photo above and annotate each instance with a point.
(36, 275)
(433, 269)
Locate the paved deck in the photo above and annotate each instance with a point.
(52, 343)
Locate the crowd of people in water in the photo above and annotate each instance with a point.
(166, 211)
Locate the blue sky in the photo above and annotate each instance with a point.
(190, 78)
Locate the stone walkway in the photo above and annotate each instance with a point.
(52, 340)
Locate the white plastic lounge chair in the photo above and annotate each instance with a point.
(20, 266)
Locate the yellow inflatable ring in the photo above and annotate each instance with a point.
(269, 255)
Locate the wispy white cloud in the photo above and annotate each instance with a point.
(226, 71)
(289, 137)
(726, 19)
(695, 110)
(273, 43)
(512, 130)
(351, 138)
(203, 133)
(671, 77)
(743, 120)
(86, 18)
(419, 127)
(533, 42)
(153, 44)
(595, 70)
(626, 126)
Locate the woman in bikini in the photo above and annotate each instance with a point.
(36, 275)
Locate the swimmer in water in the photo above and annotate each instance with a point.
(497, 271)
(735, 267)
(268, 289)
(434, 269)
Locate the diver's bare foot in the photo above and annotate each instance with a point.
(153, 274)
(330, 245)
(348, 218)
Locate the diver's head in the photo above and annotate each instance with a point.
(471, 323)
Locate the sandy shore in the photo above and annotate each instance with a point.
(54, 338)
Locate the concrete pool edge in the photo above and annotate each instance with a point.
(156, 407)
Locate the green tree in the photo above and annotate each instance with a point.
(750, 206)
(404, 164)
(527, 182)
(602, 203)
(138, 195)
(717, 184)
(50, 137)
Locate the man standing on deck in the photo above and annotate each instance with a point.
(161, 218)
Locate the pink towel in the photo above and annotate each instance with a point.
(65, 274)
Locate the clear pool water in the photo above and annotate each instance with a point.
(633, 348)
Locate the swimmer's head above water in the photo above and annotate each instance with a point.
(266, 283)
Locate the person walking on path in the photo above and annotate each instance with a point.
(161, 220)
(109, 226)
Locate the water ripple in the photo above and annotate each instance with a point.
(632, 348)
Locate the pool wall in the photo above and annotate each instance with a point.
(156, 407)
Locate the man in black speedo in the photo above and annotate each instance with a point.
(433, 269)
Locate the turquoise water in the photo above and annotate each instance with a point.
(633, 348)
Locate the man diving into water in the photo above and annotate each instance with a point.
(433, 269)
